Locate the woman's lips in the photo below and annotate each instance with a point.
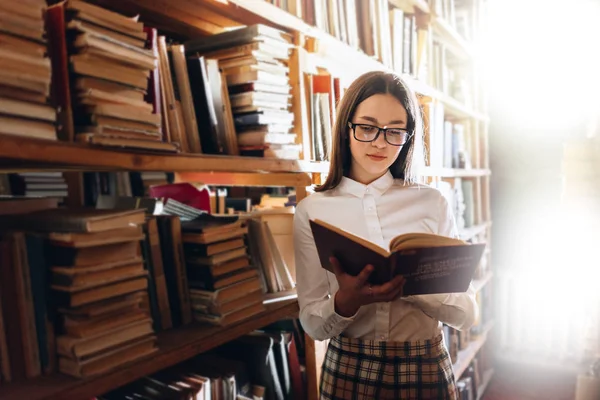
(376, 157)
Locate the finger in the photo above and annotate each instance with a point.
(335, 265)
(388, 287)
(391, 296)
(363, 277)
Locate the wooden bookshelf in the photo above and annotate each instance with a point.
(451, 38)
(455, 172)
(487, 378)
(467, 355)
(420, 5)
(457, 109)
(193, 18)
(175, 346)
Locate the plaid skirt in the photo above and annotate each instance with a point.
(365, 369)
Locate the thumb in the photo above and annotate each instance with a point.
(337, 268)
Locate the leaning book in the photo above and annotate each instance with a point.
(430, 263)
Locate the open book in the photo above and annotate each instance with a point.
(429, 263)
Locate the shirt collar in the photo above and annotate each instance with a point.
(377, 188)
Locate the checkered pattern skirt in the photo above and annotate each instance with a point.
(366, 369)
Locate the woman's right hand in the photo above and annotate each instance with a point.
(355, 291)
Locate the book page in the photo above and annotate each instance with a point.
(370, 245)
(422, 240)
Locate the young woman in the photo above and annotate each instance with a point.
(383, 345)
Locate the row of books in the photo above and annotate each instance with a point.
(35, 184)
(26, 72)
(81, 287)
(116, 82)
(253, 63)
(461, 196)
(450, 143)
(263, 364)
(93, 286)
(398, 36)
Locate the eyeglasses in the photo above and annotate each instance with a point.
(370, 133)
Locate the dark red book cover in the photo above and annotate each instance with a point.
(184, 193)
(60, 87)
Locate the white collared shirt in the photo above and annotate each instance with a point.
(377, 212)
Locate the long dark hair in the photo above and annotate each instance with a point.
(377, 82)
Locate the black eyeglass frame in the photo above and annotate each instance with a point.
(353, 126)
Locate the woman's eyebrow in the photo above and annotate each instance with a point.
(374, 120)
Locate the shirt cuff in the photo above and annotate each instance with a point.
(333, 318)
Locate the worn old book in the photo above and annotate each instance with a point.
(104, 307)
(75, 220)
(106, 19)
(80, 278)
(200, 250)
(97, 30)
(204, 306)
(98, 67)
(75, 347)
(217, 270)
(84, 84)
(232, 317)
(96, 326)
(430, 263)
(76, 257)
(199, 279)
(68, 298)
(227, 293)
(107, 361)
(214, 237)
(28, 110)
(75, 239)
(218, 258)
(101, 140)
(27, 128)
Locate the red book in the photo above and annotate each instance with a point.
(60, 90)
(184, 193)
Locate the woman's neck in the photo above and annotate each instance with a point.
(362, 176)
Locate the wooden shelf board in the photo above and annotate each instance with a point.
(472, 231)
(245, 179)
(411, 5)
(451, 38)
(176, 345)
(467, 355)
(487, 378)
(455, 172)
(456, 109)
(479, 284)
(26, 153)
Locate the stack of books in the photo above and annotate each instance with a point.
(224, 287)
(254, 61)
(26, 72)
(99, 284)
(110, 74)
(39, 184)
